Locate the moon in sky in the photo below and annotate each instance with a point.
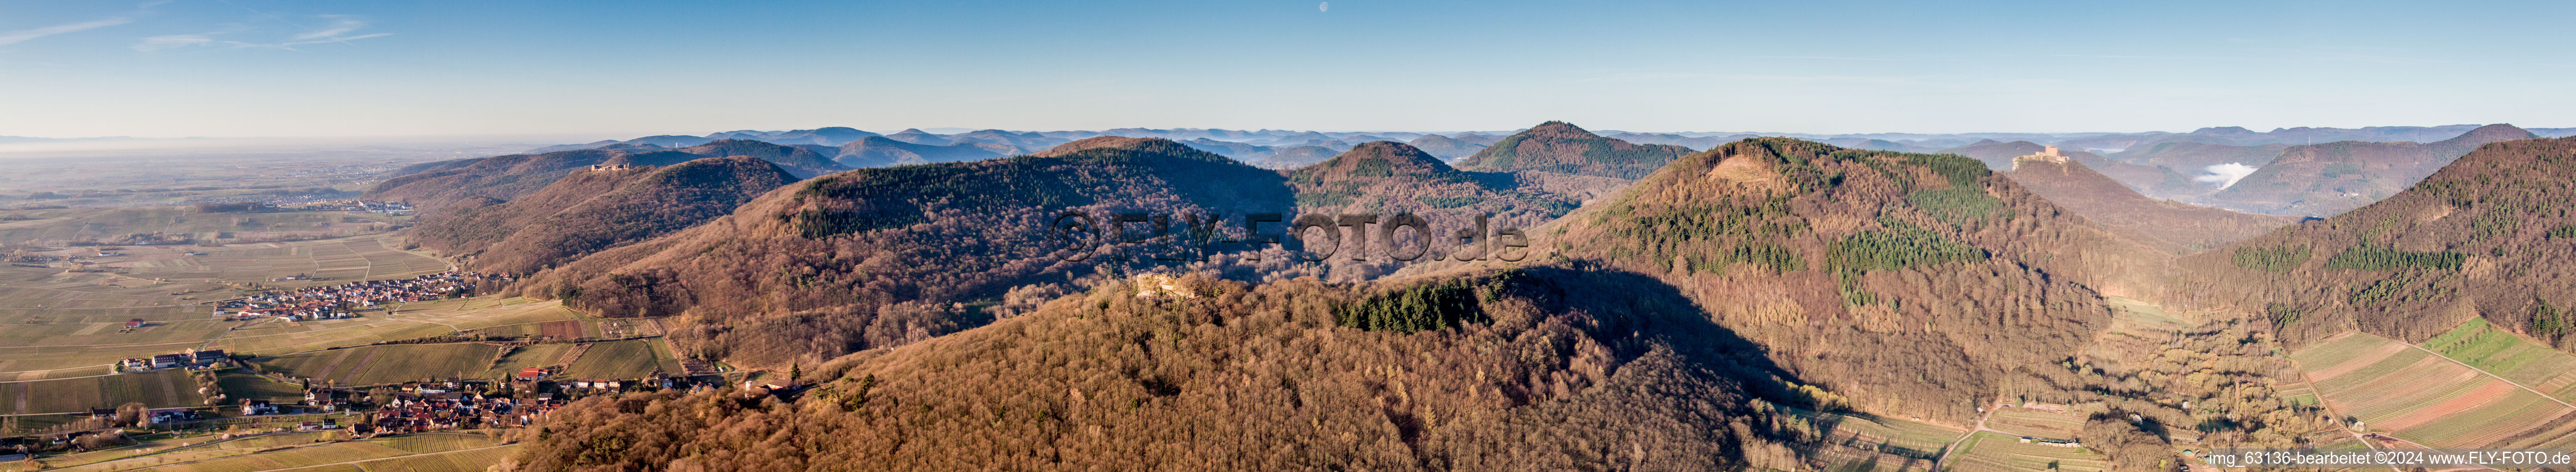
(1326, 6)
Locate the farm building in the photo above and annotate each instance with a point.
(208, 357)
(134, 323)
(165, 361)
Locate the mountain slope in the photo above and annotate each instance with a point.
(826, 136)
(498, 178)
(1536, 370)
(2487, 235)
(1296, 156)
(593, 210)
(1560, 147)
(805, 163)
(1447, 148)
(917, 136)
(875, 257)
(2180, 227)
(1910, 284)
(1239, 151)
(879, 151)
(2326, 179)
(2195, 156)
(1386, 177)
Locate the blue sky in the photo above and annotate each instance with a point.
(169, 68)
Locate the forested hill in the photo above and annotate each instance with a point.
(1901, 285)
(877, 151)
(1543, 369)
(2488, 235)
(878, 257)
(1392, 177)
(1911, 284)
(592, 210)
(804, 163)
(2174, 227)
(1560, 147)
(431, 185)
(508, 177)
(2326, 179)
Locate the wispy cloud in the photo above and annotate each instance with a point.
(2176, 58)
(15, 37)
(1844, 58)
(338, 31)
(340, 25)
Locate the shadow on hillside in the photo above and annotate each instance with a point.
(1647, 309)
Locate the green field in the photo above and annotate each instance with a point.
(158, 389)
(373, 365)
(2418, 396)
(1990, 452)
(241, 385)
(2506, 355)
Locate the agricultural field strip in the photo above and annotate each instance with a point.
(362, 462)
(2379, 368)
(261, 441)
(217, 444)
(2525, 388)
(2004, 452)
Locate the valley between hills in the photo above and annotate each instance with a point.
(836, 299)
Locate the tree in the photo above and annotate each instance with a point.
(131, 414)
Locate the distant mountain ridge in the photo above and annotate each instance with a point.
(503, 178)
(594, 209)
(2174, 226)
(1560, 147)
(2327, 179)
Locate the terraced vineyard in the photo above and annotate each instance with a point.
(621, 360)
(372, 365)
(1864, 443)
(2039, 423)
(1990, 452)
(540, 355)
(2428, 399)
(158, 389)
(2506, 355)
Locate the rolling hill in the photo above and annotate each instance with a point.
(878, 257)
(2326, 179)
(1911, 284)
(1561, 147)
(593, 210)
(434, 184)
(2486, 236)
(1536, 370)
(1295, 156)
(879, 151)
(2178, 227)
(1447, 148)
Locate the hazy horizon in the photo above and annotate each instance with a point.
(239, 68)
